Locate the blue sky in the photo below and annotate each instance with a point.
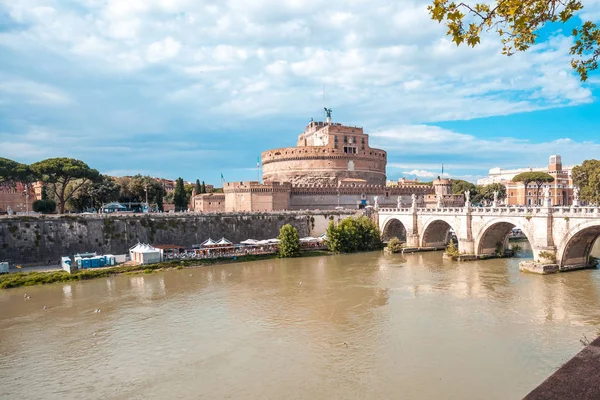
(196, 88)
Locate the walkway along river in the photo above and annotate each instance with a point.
(350, 326)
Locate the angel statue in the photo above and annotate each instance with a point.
(376, 205)
(327, 112)
(546, 192)
(575, 193)
(414, 200)
(495, 197)
(467, 196)
(399, 202)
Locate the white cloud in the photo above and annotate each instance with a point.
(31, 92)
(163, 50)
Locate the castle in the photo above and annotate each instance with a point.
(332, 166)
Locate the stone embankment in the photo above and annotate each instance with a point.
(31, 240)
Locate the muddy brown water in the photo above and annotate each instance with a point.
(364, 326)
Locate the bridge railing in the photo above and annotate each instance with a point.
(504, 210)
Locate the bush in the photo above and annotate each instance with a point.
(44, 206)
(451, 250)
(395, 245)
(352, 235)
(516, 248)
(289, 245)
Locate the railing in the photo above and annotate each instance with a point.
(586, 211)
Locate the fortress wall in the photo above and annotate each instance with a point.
(44, 239)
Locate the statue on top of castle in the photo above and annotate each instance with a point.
(328, 112)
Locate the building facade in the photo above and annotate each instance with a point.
(326, 154)
(561, 190)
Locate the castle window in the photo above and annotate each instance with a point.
(345, 139)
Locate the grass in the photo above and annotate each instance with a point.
(8, 281)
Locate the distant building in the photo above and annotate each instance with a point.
(19, 197)
(561, 190)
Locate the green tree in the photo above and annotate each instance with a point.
(518, 23)
(587, 178)
(94, 194)
(58, 173)
(179, 197)
(188, 192)
(13, 171)
(487, 192)
(133, 189)
(289, 242)
(203, 187)
(352, 235)
(44, 206)
(539, 178)
(460, 187)
(198, 187)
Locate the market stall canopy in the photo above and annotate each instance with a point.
(249, 242)
(224, 241)
(208, 242)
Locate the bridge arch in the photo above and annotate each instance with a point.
(496, 232)
(575, 250)
(393, 227)
(436, 232)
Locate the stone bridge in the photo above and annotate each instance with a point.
(561, 236)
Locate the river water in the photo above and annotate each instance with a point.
(364, 326)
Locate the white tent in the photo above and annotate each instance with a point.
(224, 241)
(145, 254)
(208, 242)
(309, 239)
(249, 242)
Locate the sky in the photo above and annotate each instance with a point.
(197, 89)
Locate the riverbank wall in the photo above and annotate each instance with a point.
(42, 240)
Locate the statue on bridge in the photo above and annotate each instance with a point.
(376, 205)
(468, 196)
(439, 201)
(399, 202)
(414, 200)
(576, 196)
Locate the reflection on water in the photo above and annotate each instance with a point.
(353, 327)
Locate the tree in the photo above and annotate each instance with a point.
(94, 194)
(203, 187)
(460, 187)
(188, 192)
(518, 23)
(133, 189)
(44, 206)
(198, 187)
(289, 242)
(539, 178)
(486, 193)
(352, 235)
(59, 172)
(587, 178)
(179, 197)
(13, 171)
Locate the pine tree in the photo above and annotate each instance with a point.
(203, 187)
(198, 187)
(179, 196)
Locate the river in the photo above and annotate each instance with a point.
(363, 326)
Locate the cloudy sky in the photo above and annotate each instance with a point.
(197, 88)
